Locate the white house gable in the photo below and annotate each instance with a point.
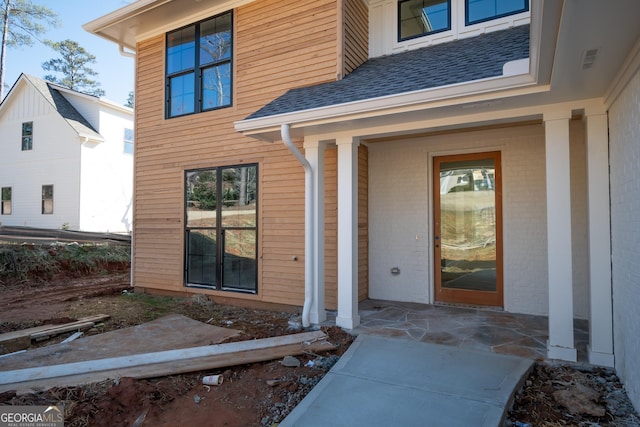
(45, 167)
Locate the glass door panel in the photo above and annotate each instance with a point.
(468, 229)
(201, 259)
(221, 228)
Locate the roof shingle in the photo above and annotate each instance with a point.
(459, 61)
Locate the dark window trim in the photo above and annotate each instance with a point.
(30, 136)
(3, 200)
(218, 226)
(43, 199)
(197, 70)
(491, 18)
(400, 39)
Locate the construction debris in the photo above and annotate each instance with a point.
(20, 340)
(163, 363)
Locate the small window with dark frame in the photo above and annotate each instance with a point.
(5, 208)
(417, 18)
(198, 77)
(47, 199)
(484, 10)
(27, 136)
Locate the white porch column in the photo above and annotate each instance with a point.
(314, 153)
(601, 315)
(347, 233)
(561, 343)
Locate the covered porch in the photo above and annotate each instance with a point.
(495, 331)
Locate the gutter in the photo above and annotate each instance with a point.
(124, 52)
(309, 216)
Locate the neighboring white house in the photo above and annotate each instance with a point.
(66, 159)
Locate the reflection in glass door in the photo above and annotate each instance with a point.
(221, 232)
(468, 229)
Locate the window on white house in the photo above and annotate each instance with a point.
(128, 141)
(5, 208)
(27, 136)
(47, 199)
(421, 17)
(485, 10)
(198, 76)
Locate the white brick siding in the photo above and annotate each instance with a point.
(400, 219)
(624, 146)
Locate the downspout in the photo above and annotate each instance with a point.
(308, 224)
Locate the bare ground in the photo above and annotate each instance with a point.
(259, 394)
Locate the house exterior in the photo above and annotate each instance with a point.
(314, 154)
(66, 159)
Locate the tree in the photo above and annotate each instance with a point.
(73, 65)
(130, 100)
(22, 22)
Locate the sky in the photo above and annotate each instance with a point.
(115, 72)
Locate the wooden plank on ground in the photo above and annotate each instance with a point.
(19, 340)
(162, 363)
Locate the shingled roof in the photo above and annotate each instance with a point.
(459, 61)
(76, 120)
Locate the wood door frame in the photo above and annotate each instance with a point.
(464, 296)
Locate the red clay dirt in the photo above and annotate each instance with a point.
(257, 394)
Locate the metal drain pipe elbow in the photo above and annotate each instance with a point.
(308, 223)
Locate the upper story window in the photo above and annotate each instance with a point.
(198, 77)
(128, 141)
(418, 18)
(27, 136)
(485, 10)
(5, 207)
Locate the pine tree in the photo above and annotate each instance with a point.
(73, 65)
(22, 22)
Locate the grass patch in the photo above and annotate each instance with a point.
(19, 262)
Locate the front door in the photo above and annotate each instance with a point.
(468, 229)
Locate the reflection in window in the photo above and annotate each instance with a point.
(484, 10)
(27, 136)
(221, 228)
(47, 199)
(421, 17)
(5, 207)
(199, 79)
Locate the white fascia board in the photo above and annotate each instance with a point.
(475, 91)
(85, 138)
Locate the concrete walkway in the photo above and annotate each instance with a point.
(383, 381)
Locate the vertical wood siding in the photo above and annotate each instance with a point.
(278, 45)
(356, 34)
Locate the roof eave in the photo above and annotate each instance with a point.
(268, 128)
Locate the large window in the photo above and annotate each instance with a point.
(27, 136)
(199, 75)
(221, 228)
(5, 208)
(421, 17)
(47, 200)
(484, 10)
